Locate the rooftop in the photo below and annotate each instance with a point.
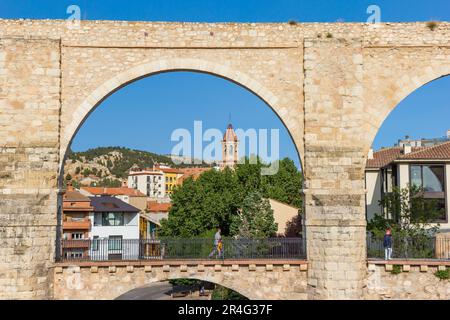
(114, 191)
(385, 156)
(111, 204)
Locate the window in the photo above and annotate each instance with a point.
(95, 243)
(74, 254)
(167, 179)
(115, 243)
(97, 219)
(430, 177)
(112, 219)
(77, 236)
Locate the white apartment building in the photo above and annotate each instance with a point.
(149, 182)
(115, 229)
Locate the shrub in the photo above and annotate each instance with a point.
(432, 25)
(443, 274)
(329, 35)
(396, 269)
(292, 22)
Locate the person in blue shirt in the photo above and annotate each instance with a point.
(387, 244)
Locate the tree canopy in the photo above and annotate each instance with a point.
(198, 206)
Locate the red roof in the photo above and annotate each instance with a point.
(154, 206)
(114, 191)
(436, 152)
(168, 170)
(385, 156)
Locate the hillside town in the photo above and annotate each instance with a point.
(136, 208)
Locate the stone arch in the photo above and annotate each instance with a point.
(138, 72)
(402, 87)
(241, 290)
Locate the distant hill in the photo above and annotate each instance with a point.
(108, 166)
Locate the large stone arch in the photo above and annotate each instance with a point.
(122, 79)
(388, 83)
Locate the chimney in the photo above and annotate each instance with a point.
(406, 149)
(69, 186)
(370, 154)
(125, 184)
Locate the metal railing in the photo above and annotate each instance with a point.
(410, 247)
(181, 248)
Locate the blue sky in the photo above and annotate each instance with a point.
(425, 113)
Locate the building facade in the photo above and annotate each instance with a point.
(170, 176)
(149, 182)
(424, 167)
(76, 224)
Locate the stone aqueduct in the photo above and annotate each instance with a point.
(331, 84)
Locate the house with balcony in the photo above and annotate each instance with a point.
(76, 224)
(427, 167)
(115, 228)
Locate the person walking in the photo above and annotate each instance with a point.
(387, 244)
(217, 244)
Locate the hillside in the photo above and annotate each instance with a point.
(108, 166)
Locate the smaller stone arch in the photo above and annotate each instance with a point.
(147, 285)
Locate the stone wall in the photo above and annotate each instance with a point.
(108, 281)
(414, 282)
(29, 157)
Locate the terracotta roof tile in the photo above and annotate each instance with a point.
(114, 191)
(154, 206)
(438, 152)
(383, 157)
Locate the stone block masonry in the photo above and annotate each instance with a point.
(248, 278)
(332, 85)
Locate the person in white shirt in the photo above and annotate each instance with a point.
(217, 244)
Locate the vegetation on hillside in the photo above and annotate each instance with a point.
(118, 160)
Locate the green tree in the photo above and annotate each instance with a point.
(201, 205)
(68, 177)
(198, 206)
(86, 172)
(77, 170)
(411, 218)
(407, 213)
(255, 219)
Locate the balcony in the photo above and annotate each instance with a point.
(76, 224)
